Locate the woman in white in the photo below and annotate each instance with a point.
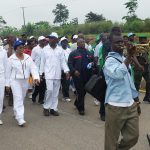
(3, 63)
(19, 67)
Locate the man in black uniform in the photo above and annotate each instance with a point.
(80, 63)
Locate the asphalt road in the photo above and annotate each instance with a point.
(69, 131)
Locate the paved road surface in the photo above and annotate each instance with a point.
(69, 131)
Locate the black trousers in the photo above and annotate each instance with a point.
(10, 98)
(102, 108)
(146, 75)
(39, 90)
(65, 85)
(79, 85)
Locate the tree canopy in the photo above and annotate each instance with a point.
(93, 17)
(131, 5)
(61, 14)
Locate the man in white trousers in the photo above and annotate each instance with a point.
(52, 63)
(3, 63)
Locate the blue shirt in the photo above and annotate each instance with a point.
(120, 86)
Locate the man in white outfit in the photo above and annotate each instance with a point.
(3, 63)
(52, 63)
(36, 56)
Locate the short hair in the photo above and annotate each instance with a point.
(115, 31)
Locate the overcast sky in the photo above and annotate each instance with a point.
(41, 10)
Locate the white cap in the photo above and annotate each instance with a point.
(131, 34)
(75, 36)
(31, 37)
(63, 38)
(53, 34)
(41, 38)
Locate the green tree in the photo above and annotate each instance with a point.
(2, 22)
(61, 14)
(93, 17)
(28, 29)
(131, 5)
(74, 21)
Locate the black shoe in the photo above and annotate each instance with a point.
(148, 138)
(46, 112)
(146, 99)
(54, 113)
(102, 117)
(75, 93)
(4, 107)
(41, 102)
(81, 112)
(33, 100)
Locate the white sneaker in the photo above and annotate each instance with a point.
(68, 99)
(21, 122)
(1, 122)
(97, 103)
(30, 95)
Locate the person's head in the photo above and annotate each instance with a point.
(18, 46)
(125, 39)
(81, 43)
(10, 39)
(74, 38)
(41, 41)
(53, 39)
(64, 42)
(117, 44)
(31, 44)
(115, 31)
(23, 38)
(143, 39)
(104, 37)
(131, 37)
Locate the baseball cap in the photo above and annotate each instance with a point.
(31, 37)
(131, 34)
(17, 43)
(63, 38)
(53, 34)
(75, 36)
(41, 38)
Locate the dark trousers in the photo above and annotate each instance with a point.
(79, 85)
(39, 90)
(102, 108)
(10, 98)
(65, 86)
(138, 77)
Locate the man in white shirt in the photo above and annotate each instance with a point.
(64, 82)
(36, 56)
(52, 63)
(3, 63)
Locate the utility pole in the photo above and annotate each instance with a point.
(23, 15)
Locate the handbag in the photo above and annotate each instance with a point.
(96, 86)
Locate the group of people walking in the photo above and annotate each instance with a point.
(49, 62)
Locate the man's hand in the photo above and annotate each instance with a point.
(67, 76)
(36, 82)
(8, 89)
(77, 73)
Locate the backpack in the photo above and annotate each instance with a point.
(96, 86)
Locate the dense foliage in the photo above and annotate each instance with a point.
(44, 28)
